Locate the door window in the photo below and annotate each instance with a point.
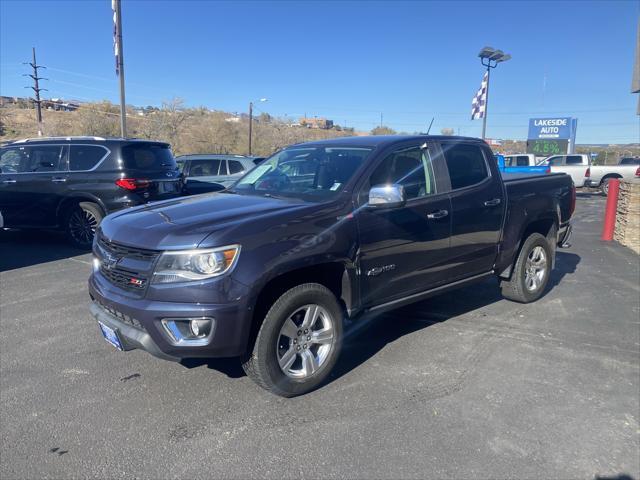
(554, 161)
(13, 160)
(204, 168)
(466, 165)
(523, 161)
(37, 158)
(235, 167)
(409, 167)
(85, 157)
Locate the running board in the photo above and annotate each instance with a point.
(416, 297)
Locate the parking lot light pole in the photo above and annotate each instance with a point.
(251, 120)
(490, 58)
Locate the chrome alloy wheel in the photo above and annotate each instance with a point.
(305, 341)
(82, 226)
(535, 268)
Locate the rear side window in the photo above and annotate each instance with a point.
(85, 157)
(148, 156)
(204, 168)
(630, 161)
(466, 165)
(235, 167)
(523, 161)
(574, 160)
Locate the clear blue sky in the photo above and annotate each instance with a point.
(348, 61)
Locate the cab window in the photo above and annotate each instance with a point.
(409, 167)
(466, 165)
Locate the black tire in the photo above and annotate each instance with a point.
(604, 186)
(519, 287)
(80, 223)
(262, 363)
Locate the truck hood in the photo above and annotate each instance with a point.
(186, 222)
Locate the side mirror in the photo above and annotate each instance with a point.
(387, 196)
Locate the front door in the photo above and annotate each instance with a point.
(30, 184)
(404, 250)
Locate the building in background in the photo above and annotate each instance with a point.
(316, 122)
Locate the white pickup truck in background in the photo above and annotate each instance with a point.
(599, 175)
(574, 165)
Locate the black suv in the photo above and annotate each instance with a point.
(73, 182)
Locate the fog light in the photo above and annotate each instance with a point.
(96, 264)
(189, 331)
(195, 329)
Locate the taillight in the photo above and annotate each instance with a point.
(548, 170)
(588, 172)
(132, 183)
(572, 205)
(638, 172)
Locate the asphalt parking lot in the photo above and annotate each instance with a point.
(466, 385)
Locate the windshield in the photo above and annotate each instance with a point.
(309, 173)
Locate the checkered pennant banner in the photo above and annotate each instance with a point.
(479, 102)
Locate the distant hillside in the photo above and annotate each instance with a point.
(188, 130)
(199, 130)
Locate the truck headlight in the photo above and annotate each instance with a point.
(199, 264)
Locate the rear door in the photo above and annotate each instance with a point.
(404, 250)
(153, 167)
(477, 208)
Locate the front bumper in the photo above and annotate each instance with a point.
(138, 323)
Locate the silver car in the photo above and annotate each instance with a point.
(210, 172)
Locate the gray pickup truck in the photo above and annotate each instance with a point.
(316, 237)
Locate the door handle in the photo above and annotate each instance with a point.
(58, 180)
(7, 182)
(492, 203)
(437, 214)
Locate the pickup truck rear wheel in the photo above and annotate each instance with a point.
(531, 272)
(298, 343)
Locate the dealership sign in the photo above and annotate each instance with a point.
(551, 136)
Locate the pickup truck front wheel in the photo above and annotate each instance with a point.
(298, 343)
(531, 272)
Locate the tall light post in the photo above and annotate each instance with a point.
(251, 120)
(490, 58)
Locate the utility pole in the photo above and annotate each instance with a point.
(251, 120)
(119, 51)
(36, 88)
(250, 124)
(380, 119)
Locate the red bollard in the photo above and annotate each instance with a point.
(610, 210)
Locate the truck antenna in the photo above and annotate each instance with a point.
(429, 129)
